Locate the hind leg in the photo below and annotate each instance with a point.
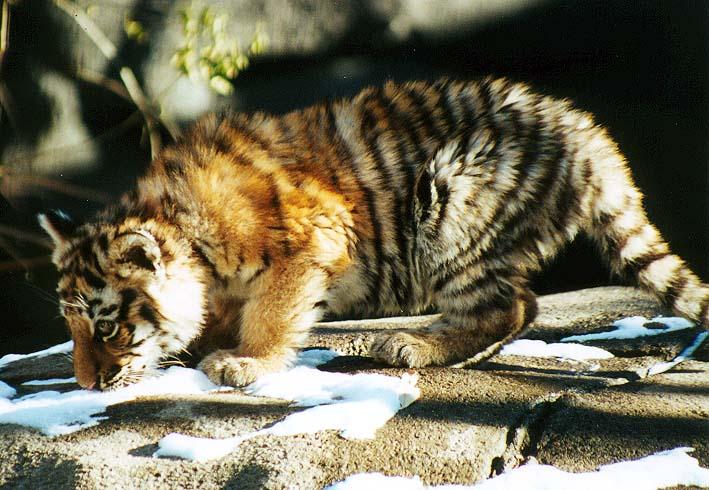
(478, 318)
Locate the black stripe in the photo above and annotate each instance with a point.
(103, 242)
(639, 264)
(423, 114)
(204, 260)
(442, 87)
(568, 200)
(221, 143)
(675, 289)
(149, 314)
(321, 147)
(256, 275)
(173, 165)
(489, 277)
(405, 124)
(346, 158)
(514, 234)
(85, 250)
(527, 160)
(372, 137)
(245, 129)
(703, 312)
(443, 195)
(487, 115)
(470, 121)
(410, 161)
(619, 242)
(423, 193)
(107, 310)
(500, 301)
(92, 279)
(127, 297)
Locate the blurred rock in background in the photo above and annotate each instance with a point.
(72, 137)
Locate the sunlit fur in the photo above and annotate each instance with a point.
(406, 197)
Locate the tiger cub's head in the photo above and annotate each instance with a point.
(131, 294)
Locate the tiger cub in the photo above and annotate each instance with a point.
(447, 194)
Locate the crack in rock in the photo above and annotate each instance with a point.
(523, 437)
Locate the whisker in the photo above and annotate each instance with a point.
(45, 295)
(175, 362)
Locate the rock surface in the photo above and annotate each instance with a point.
(468, 424)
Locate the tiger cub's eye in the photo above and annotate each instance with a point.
(106, 329)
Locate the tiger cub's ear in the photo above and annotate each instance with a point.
(58, 225)
(136, 250)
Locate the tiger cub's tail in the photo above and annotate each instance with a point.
(636, 250)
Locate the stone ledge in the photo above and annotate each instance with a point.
(467, 425)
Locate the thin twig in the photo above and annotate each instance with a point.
(25, 236)
(14, 254)
(6, 102)
(109, 133)
(138, 97)
(101, 80)
(110, 51)
(120, 90)
(4, 30)
(25, 264)
(89, 27)
(57, 185)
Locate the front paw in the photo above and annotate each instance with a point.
(402, 349)
(225, 368)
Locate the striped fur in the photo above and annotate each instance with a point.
(405, 197)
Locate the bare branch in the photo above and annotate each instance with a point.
(4, 30)
(109, 133)
(127, 76)
(140, 100)
(56, 185)
(89, 27)
(25, 236)
(25, 264)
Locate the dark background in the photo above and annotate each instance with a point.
(641, 67)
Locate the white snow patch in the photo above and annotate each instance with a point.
(57, 349)
(315, 357)
(55, 413)
(539, 348)
(633, 327)
(367, 481)
(6, 391)
(661, 367)
(356, 405)
(53, 381)
(659, 470)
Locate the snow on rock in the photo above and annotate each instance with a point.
(57, 349)
(367, 481)
(55, 413)
(660, 470)
(315, 357)
(53, 381)
(633, 327)
(661, 367)
(539, 348)
(6, 391)
(354, 404)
